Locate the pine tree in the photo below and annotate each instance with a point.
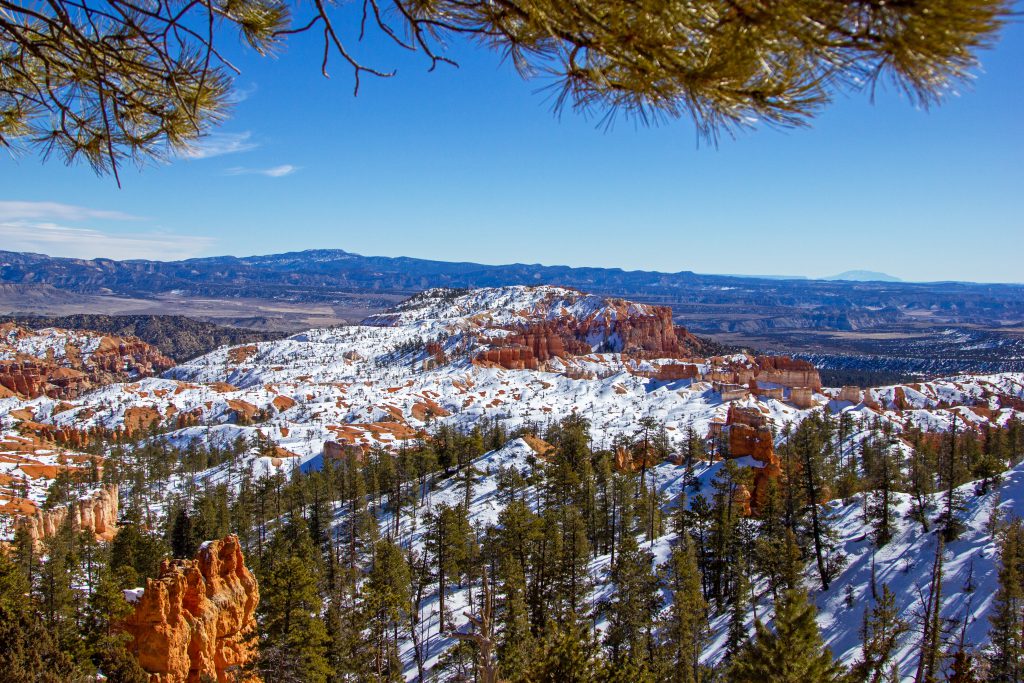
(931, 631)
(387, 603)
(293, 637)
(107, 644)
(516, 645)
(632, 607)
(880, 634)
(811, 442)
(448, 542)
(686, 626)
(568, 654)
(883, 473)
(29, 652)
(135, 555)
(792, 653)
(952, 473)
(1006, 656)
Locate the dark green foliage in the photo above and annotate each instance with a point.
(633, 605)
(880, 634)
(686, 626)
(293, 637)
(29, 653)
(1006, 660)
(791, 653)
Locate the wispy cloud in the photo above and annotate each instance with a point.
(13, 210)
(237, 95)
(219, 144)
(43, 227)
(272, 172)
(63, 240)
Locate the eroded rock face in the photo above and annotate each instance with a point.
(637, 335)
(789, 372)
(195, 620)
(96, 513)
(64, 363)
(850, 393)
(750, 435)
(766, 370)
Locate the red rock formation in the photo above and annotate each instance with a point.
(115, 359)
(640, 336)
(96, 513)
(780, 370)
(749, 435)
(788, 372)
(339, 451)
(541, 447)
(850, 393)
(802, 397)
(194, 621)
(670, 372)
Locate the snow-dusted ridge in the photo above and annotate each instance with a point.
(337, 383)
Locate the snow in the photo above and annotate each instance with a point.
(348, 382)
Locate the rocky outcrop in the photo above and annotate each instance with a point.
(193, 622)
(54, 363)
(619, 329)
(789, 372)
(802, 397)
(670, 372)
(781, 370)
(750, 435)
(96, 512)
(850, 393)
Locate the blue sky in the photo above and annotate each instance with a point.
(471, 164)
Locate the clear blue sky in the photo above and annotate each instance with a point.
(470, 164)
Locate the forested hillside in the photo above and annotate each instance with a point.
(519, 484)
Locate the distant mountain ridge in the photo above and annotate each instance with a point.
(864, 276)
(765, 313)
(319, 274)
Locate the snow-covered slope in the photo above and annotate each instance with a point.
(904, 564)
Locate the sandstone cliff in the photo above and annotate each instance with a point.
(194, 622)
(780, 370)
(750, 435)
(637, 335)
(96, 512)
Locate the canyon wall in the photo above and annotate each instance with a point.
(750, 435)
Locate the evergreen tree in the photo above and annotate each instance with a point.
(792, 653)
(387, 605)
(135, 555)
(632, 607)
(1006, 656)
(516, 644)
(107, 643)
(880, 634)
(448, 541)
(29, 651)
(293, 637)
(686, 626)
(567, 654)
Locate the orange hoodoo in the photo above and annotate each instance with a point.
(195, 621)
(749, 435)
